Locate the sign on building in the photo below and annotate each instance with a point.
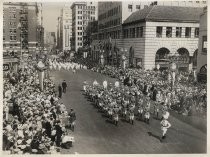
(6, 67)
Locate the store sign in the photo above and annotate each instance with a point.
(5, 67)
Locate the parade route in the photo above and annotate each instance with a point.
(95, 135)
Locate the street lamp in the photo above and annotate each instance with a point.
(102, 57)
(19, 26)
(123, 52)
(174, 58)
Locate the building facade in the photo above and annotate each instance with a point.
(20, 23)
(50, 41)
(59, 34)
(82, 14)
(160, 35)
(21, 33)
(202, 47)
(111, 16)
(67, 27)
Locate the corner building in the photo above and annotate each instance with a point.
(151, 35)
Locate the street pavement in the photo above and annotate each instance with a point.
(95, 135)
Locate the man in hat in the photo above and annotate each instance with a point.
(59, 91)
(64, 86)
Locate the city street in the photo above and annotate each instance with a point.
(95, 135)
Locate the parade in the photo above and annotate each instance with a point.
(115, 77)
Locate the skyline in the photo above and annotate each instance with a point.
(51, 11)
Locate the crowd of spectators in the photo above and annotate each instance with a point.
(35, 121)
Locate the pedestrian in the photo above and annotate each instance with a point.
(59, 91)
(64, 86)
(72, 119)
(164, 127)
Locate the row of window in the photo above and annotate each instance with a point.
(80, 28)
(12, 37)
(113, 35)
(79, 38)
(79, 44)
(159, 32)
(86, 18)
(133, 32)
(130, 7)
(110, 23)
(85, 7)
(82, 22)
(80, 33)
(111, 12)
(86, 12)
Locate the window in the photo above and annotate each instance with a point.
(132, 32)
(3, 37)
(169, 32)
(139, 32)
(196, 32)
(130, 8)
(187, 32)
(159, 31)
(138, 7)
(178, 32)
(125, 33)
(204, 44)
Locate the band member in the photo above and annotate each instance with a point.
(164, 127)
(131, 113)
(115, 115)
(156, 109)
(140, 111)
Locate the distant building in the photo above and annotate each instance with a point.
(82, 13)
(64, 29)
(59, 34)
(202, 47)
(50, 41)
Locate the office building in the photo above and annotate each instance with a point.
(82, 14)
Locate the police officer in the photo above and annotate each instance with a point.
(64, 86)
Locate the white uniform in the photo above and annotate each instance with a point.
(164, 126)
(105, 84)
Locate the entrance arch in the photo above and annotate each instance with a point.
(161, 57)
(131, 56)
(183, 59)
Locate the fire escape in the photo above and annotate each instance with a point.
(24, 27)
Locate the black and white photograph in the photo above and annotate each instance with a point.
(104, 77)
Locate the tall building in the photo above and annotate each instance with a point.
(202, 48)
(59, 34)
(64, 29)
(50, 41)
(82, 13)
(20, 22)
(66, 15)
(20, 25)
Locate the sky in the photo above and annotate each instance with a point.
(51, 12)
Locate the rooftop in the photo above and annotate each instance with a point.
(165, 13)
